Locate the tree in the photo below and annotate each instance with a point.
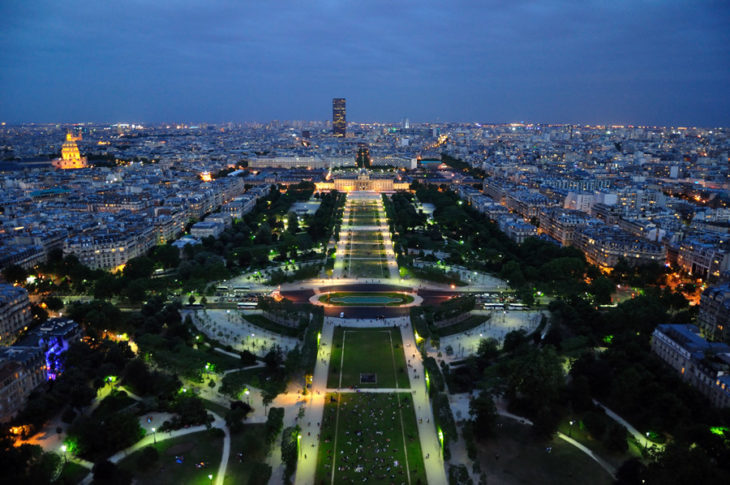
(15, 274)
(53, 303)
(235, 417)
(139, 267)
(168, 256)
(534, 380)
(513, 340)
(106, 472)
(602, 288)
(136, 291)
(247, 358)
(274, 358)
(483, 414)
(263, 235)
(292, 222)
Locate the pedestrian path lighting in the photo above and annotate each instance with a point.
(154, 435)
(428, 380)
(570, 430)
(247, 392)
(441, 440)
(65, 457)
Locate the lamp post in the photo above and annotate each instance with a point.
(65, 457)
(570, 430)
(154, 435)
(247, 392)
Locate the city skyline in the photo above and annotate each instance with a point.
(650, 64)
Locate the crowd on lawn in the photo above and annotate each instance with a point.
(366, 450)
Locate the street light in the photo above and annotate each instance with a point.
(570, 430)
(154, 434)
(247, 392)
(65, 457)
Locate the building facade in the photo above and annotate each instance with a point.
(704, 365)
(15, 314)
(714, 314)
(22, 369)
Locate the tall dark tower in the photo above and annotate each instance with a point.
(339, 117)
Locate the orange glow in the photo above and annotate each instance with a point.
(205, 176)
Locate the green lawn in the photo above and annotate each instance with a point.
(515, 456)
(364, 435)
(368, 268)
(364, 219)
(204, 446)
(471, 322)
(249, 442)
(266, 324)
(367, 237)
(368, 351)
(272, 380)
(72, 473)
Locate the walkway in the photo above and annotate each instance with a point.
(312, 419)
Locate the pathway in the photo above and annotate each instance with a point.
(430, 446)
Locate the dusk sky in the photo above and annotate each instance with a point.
(637, 62)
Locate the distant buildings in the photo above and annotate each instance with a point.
(704, 365)
(207, 229)
(339, 117)
(15, 314)
(604, 246)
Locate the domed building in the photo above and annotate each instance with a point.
(70, 155)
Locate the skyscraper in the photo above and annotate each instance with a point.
(339, 117)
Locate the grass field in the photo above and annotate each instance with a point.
(72, 473)
(194, 448)
(369, 438)
(463, 326)
(366, 237)
(250, 443)
(266, 324)
(367, 351)
(364, 255)
(367, 268)
(515, 456)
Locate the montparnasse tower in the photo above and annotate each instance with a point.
(70, 155)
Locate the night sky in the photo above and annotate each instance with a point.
(623, 61)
